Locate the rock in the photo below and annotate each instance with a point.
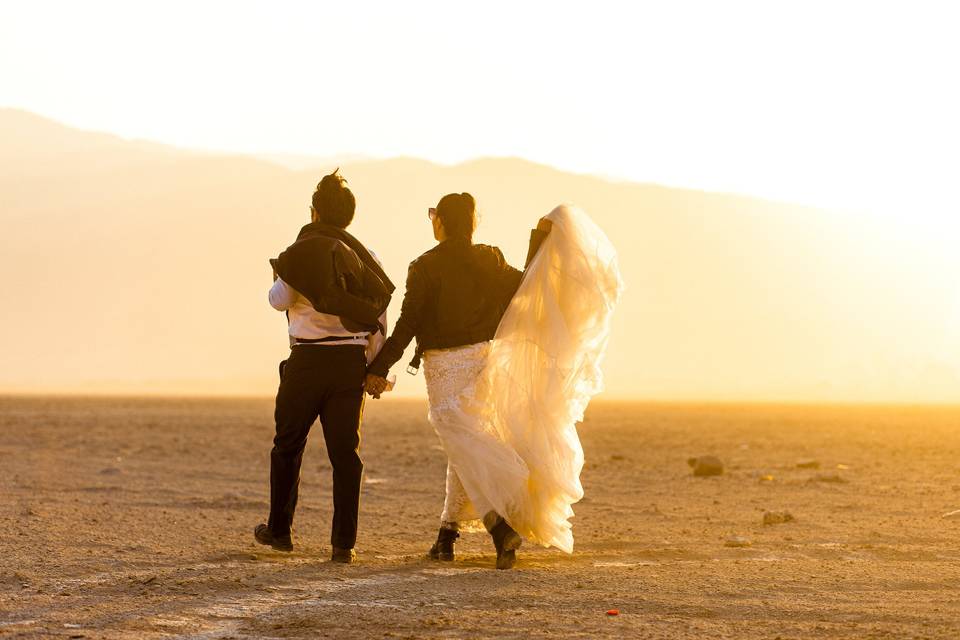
(777, 517)
(766, 478)
(737, 541)
(808, 464)
(706, 466)
(828, 477)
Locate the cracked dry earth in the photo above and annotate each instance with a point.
(132, 518)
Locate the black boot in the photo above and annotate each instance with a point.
(264, 536)
(442, 549)
(505, 540)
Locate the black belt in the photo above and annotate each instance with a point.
(327, 339)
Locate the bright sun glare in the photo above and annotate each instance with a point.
(842, 105)
(847, 106)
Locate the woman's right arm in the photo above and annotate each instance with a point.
(411, 313)
(537, 236)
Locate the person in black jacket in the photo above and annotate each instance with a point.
(456, 294)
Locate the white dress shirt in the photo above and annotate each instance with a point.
(306, 322)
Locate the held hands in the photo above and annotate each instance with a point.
(375, 385)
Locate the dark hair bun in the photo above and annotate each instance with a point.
(458, 213)
(331, 181)
(333, 201)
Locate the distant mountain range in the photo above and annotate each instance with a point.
(136, 267)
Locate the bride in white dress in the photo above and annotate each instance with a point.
(506, 406)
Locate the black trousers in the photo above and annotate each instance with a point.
(323, 382)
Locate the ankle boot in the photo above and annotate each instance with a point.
(442, 549)
(505, 540)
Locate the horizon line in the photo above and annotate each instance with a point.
(355, 158)
(600, 398)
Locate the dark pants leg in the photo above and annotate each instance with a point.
(298, 404)
(325, 382)
(340, 418)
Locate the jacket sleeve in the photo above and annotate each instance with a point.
(536, 239)
(411, 312)
(510, 277)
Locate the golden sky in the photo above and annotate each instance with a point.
(849, 105)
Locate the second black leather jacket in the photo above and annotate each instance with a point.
(456, 295)
(337, 274)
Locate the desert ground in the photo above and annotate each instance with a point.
(133, 518)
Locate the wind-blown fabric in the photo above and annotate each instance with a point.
(506, 411)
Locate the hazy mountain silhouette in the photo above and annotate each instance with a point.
(134, 266)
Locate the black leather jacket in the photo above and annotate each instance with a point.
(337, 274)
(456, 295)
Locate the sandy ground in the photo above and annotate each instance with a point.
(133, 518)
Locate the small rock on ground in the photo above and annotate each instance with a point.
(777, 517)
(828, 477)
(737, 541)
(706, 466)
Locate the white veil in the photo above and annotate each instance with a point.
(543, 368)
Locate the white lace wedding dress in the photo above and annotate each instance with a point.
(506, 410)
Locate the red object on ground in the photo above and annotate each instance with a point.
(613, 612)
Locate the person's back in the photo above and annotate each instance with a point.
(471, 286)
(456, 292)
(331, 337)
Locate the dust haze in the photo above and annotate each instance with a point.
(138, 268)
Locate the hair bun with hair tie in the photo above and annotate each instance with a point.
(332, 180)
(333, 201)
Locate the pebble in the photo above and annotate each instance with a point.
(829, 477)
(808, 464)
(737, 541)
(777, 517)
(706, 466)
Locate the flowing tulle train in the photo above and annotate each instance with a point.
(506, 411)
